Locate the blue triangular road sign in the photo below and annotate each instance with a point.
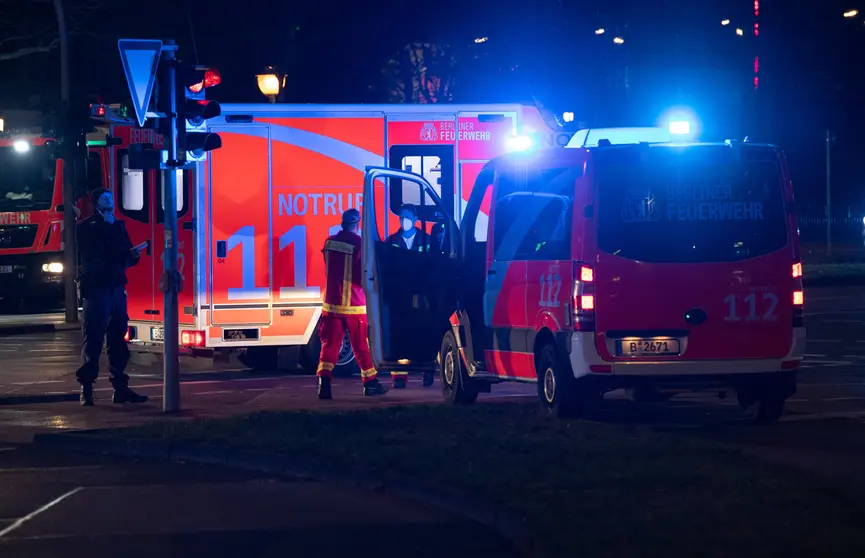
(140, 58)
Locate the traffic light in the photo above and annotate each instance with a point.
(194, 141)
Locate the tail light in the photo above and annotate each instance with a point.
(798, 296)
(128, 335)
(190, 338)
(584, 298)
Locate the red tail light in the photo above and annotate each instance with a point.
(128, 335)
(797, 270)
(798, 298)
(192, 338)
(584, 298)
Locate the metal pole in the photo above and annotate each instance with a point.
(70, 246)
(828, 193)
(171, 382)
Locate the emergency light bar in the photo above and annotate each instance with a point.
(619, 136)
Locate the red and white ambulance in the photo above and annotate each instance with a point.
(644, 265)
(253, 216)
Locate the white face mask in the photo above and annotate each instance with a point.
(407, 224)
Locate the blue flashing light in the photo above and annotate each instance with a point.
(680, 127)
(518, 143)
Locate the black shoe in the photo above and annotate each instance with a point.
(126, 395)
(86, 395)
(374, 388)
(400, 382)
(324, 388)
(428, 379)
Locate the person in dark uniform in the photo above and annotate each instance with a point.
(105, 252)
(409, 236)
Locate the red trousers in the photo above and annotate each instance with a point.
(332, 332)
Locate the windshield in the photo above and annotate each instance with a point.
(689, 204)
(26, 179)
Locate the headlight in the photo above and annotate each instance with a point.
(53, 267)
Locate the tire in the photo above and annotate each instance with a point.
(560, 394)
(346, 364)
(769, 410)
(456, 385)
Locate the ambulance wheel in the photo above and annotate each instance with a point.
(455, 382)
(346, 365)
(769, 410)
(561, 395)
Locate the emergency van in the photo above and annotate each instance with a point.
(31, 217)
(253, 216)
(652, 266)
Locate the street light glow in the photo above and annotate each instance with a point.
(725, 22)
(851, 13)
(618, 40)
(600, 31)
(21, 146)
(739, 32)
(480, 40)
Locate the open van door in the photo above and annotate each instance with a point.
(410, 295)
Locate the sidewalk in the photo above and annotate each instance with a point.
(15, 324)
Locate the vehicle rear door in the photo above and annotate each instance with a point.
(240, 197)
(694, 259)
(410, 295)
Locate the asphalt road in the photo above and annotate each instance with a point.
(89, 506)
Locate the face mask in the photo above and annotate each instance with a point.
(407, 224)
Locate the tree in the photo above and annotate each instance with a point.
(421, 73)
(31, 27)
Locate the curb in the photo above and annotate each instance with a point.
(21, 329)
(506, 525)
(6, 400)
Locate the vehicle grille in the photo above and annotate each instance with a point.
(17, 236)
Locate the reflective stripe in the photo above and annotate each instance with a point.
(370, 373)
(401, 374)
(337, 309)
(338, 246)
(324, 366)
(346, 281)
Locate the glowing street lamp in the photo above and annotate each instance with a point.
(600, 31)
(270, 84)
(725, 22)
(618, 40)
(851, 13)
(740, 32)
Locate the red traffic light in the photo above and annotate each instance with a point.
(211, 78)
(97, 110)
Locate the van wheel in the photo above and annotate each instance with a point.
(769, 410)
(455, 383)
(562, 395)
(346, 365)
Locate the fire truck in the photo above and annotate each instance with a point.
(31, 215)
(253, 214)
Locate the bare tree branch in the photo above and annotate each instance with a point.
(27, 51)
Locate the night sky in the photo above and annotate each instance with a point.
(675, 52)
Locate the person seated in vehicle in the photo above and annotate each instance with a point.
(409, 236)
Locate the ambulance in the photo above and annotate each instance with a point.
(253, 216)
(628, 260)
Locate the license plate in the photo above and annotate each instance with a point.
(157, 334)
(648, 347)
(5, 269)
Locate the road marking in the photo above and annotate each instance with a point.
(212, 392)
(8, 449)
(19, 522)
(827, 341)
(813, 355)
(38, 382)
(833, 312)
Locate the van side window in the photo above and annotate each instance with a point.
(510, 227)
(132, 190)
(549, 237)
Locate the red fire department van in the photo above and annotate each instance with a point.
(31, 217)
(648, 266)
(253, 216)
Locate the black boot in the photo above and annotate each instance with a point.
(428, 379)
(126, 395)
(400, 382)
(86, 395)
(324, 388)
(374, 388)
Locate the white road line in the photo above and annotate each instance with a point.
(19, 522)
(813, 355)
(8, 449)
(38, 382)
(211, 392)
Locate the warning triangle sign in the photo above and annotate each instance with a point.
(140, 58)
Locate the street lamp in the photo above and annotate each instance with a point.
(270, 83)
(851, 13)
(618, 40)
